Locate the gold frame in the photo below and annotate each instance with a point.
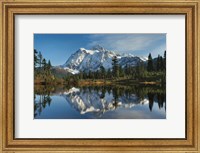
(9, 8)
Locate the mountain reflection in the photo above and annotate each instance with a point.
(97, 101)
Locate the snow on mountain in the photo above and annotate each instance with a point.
(98, 47)
(71, 70)
(144, 58)
(85, 60)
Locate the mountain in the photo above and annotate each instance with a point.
(91, 60)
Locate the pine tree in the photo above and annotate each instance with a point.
(97, 74)
(102, 71)
(40, 58)
(164, 61)
(126, 69)
(142, 69)
(161, 63)
(158, 63)
(138, 71)
(49, 64)
(90, 74)
(44, 69)
(49, 70)
(121, 71)
(84, 75)
(35, 58)
(115, 68)
(150, 63)
(109, 73)
(49, 67)
(44, 64)
(81, 75)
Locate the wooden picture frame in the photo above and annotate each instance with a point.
(189, 8)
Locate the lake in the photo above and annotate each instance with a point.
(100, 102)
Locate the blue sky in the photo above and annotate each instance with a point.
(58, 47)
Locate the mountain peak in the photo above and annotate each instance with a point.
(82, 49)
(91, 60)
(98, 47)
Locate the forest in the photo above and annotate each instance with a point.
(152, 71)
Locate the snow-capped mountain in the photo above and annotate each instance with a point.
(85, 60)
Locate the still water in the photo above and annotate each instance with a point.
(99, 102)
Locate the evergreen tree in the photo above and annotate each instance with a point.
(109, 73)
(49, 70)
(81, 75)
(121, 71)
(35, 58)
(97, 74)
(142, 69)
(150, 63)
(84, 75)
(40, 58)
(44, 69)
(49, 67)
(49, 64)
(115, 68)
(161, 63)
(126, 69)
(138, 71)
(102, 71)
(90, 74)
(164, 61)
(44, 64)
(158, 63)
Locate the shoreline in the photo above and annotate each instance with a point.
(101, 82)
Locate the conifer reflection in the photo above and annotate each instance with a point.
(121, 95)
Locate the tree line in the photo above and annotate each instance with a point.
(160, 63)
(153, 69)
(42, 67)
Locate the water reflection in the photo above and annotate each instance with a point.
(109, 102)
(43, 100)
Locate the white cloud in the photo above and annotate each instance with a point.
(130, 42)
